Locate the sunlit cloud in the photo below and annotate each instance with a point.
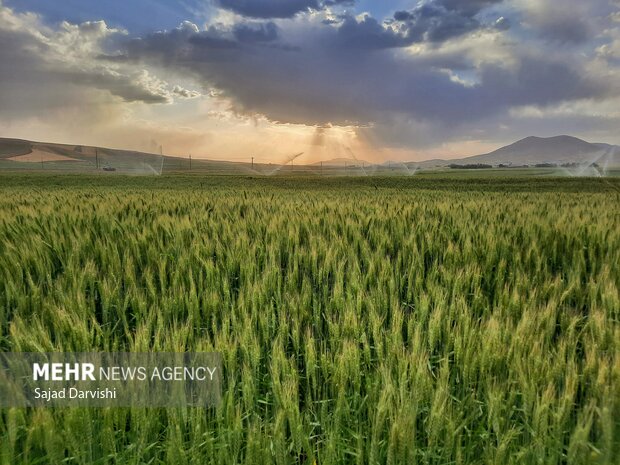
(326, 78)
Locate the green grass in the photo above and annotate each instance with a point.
(430, 319)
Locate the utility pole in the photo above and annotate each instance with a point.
(190, 161)
(252, 162)
(97, 157)
(161, 153)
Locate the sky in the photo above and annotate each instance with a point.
(373, 80)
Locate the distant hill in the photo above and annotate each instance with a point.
(21, 153)
(18, 154)
(536, 150)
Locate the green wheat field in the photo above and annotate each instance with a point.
(420, 320)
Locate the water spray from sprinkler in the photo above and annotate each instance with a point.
(161, 153)
(290, 159)
(348, 149)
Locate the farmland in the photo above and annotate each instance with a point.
(432, 319)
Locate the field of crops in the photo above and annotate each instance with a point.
(361, 321)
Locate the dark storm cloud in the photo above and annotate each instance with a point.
(329, 76)
(576, 23)
(368, 33)
(441, 20)
(185, 45)
(434, 22)
(276, 8)
(467, 7)
(561, 29)
(252, 33)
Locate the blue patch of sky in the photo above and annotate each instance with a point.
(141, 16)
(137, 16)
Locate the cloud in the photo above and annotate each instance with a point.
(435, 21)
(574, 23)
(444, 69)
(609, 51)
(441, 20)
(276, 8)
(135, 86)
(255, 32)
(185, 93)
(502, 24)
(467, 7)
(322, 74)
(564, 29)
(48, 65)
(368, 33)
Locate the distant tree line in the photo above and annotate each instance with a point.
(473, 166)
(477, 166)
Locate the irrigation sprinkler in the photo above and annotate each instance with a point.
(283, 165)
(356, 159)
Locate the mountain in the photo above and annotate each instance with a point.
(534, 150)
